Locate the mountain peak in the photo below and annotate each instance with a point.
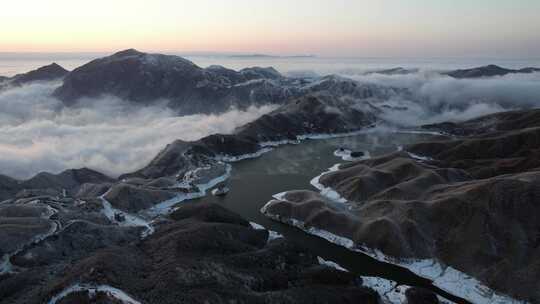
(483, 71)
(53, 68)
(49, 72)
(128, 52)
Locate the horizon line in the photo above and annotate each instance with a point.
(261, 54)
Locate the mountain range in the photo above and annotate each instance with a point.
(464, 207)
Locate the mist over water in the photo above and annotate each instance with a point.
(38, 134)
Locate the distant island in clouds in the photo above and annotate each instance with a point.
(270, 56)
(240, 55)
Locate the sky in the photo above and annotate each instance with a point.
(351, 28)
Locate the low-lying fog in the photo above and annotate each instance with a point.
(37, 134)
(436, 98)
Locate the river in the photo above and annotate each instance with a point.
(291, 167)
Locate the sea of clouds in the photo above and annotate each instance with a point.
(433, 97)
(114, 137)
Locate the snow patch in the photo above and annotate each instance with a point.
(389, 291)
(419, 158)
(345, 154)
(444, 277)
(330, 264)
(279, 143)
(166, 206)
(267, 146)
(129, 220)
(92, 290)
(367, 130)
(272, 235)
(333, 238)
(328, 191)
(5, 264)
(220, 191)
(232, 159)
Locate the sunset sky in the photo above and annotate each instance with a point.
(322, 27)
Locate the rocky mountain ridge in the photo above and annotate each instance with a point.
(463, 202)
(144, 78)
(468, 202)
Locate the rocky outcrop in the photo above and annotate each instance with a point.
(488, 71)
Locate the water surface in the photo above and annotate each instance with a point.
(291, 167)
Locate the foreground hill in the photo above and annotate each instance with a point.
(471, 203)
(201, 254)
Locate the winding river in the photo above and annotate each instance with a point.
(254, 181)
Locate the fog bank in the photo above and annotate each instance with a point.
(433, 97)
(111, 136)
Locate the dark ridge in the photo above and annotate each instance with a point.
(128, 52)
(305, 115)
(487, 71)
(394, 71)
(493, 123)
(45, 73)
(70, 180)
(143, 78)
